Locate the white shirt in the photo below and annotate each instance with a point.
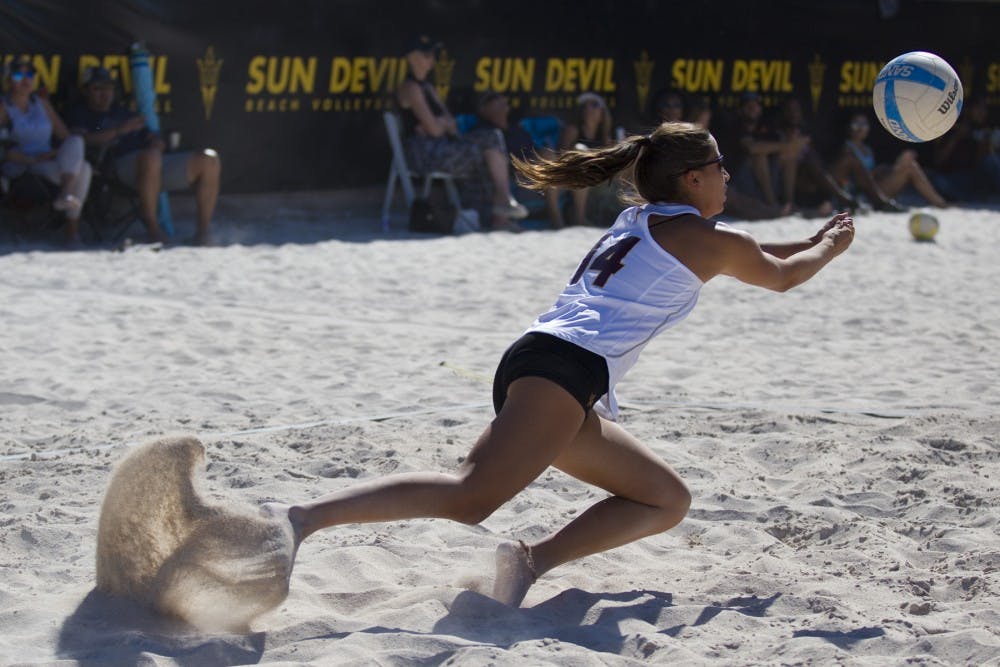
(627, 290)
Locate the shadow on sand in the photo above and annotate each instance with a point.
(104, 630)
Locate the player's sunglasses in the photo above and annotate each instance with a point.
(21, 75)
(702, 165)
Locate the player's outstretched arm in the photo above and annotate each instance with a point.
(749, 262)
(787, 249)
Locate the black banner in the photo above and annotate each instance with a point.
(291, 94)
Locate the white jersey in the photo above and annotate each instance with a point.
(627, 290)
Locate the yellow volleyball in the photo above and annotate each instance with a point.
(924, 226)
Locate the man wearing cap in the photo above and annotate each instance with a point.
(139, 157)
(432, 142)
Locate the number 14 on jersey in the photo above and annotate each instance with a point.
(608, 262)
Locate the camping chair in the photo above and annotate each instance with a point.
(401, 173)
(112, 206)
(26, 206)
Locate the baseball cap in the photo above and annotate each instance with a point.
(96, 76)
(423, 43)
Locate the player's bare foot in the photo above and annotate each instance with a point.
(515, 573)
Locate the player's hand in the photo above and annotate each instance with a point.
(841, 233)
(818, 236)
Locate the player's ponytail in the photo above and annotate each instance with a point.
(650, 166)
(579, 168)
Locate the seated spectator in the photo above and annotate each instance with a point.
(750, 194)
(805, 180)
(699, 112)
(493, 112)
(33, 124)
(880, 182)
(139, 157)
(591, 128)
(432, 143)
(668, 107)
(966, 159)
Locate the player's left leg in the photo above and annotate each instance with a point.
(648, 497)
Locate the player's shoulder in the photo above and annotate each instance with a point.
(729, 235)
(695, 231)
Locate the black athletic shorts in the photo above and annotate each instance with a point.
(580, 372)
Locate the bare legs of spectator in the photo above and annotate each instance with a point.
(552, 197)
(580, 206)
(813, 169)
(579, 199)
(850, 168)
(148, 170)
(907, 171)
(498, 166)
(72, 173)
(789, 165)
(760, 166)
(70, 185)
(204, 170)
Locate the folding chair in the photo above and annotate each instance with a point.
(26, 206)
(112, 207)
(401, 173)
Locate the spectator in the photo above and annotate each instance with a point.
(805, 180)
(590, 129)
(33, 123)
(493, 112)
(750, 194)
(880, 182)
(432, 142)
(700, 112)
(139, 157)
(966, 158)
(668, 107)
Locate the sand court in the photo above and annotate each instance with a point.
(844, 485)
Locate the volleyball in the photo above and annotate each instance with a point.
(923, 226)
(917, 96)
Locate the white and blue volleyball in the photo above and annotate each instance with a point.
(917, 96)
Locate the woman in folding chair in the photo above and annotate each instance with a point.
(432, 142)
(33, 122)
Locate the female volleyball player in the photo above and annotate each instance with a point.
(642, 276)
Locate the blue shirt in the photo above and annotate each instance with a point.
(82, 117)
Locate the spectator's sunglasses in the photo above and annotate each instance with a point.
(702, 165)
(21, 74)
